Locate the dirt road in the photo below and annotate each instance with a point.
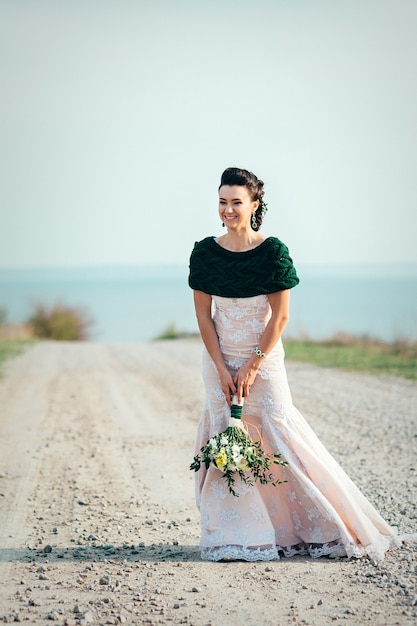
(97, 520)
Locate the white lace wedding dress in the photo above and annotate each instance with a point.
(319, 511)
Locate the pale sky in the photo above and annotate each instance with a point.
(117, 118)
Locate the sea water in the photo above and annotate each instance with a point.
(138, 304)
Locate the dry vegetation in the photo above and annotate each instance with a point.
(60, 322)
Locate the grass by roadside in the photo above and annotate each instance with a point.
(375, 357)
(10, 348)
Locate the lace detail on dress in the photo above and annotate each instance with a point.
(218, 489)
(238, 553)
(229, 515)
(333, 550)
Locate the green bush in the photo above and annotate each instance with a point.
(172, 332)
(60, 322)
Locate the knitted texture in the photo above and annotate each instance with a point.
(219, 272)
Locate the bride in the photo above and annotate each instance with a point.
(241, 282)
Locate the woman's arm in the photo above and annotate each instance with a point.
(202, 303)
(280, 305)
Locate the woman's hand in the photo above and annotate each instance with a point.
(244, 379)
(227, 384)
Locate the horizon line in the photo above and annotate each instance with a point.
(170, 264)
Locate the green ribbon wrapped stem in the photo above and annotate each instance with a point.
(236, 411)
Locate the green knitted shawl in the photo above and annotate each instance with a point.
(219, 272)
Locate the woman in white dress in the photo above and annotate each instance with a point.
(241, 282)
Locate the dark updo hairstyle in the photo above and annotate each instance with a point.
(255, 186)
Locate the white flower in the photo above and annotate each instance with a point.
(213, 443)
(224, 441)
(242, 464)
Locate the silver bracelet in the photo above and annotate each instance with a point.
(261, 354)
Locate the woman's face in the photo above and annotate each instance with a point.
(236, 206)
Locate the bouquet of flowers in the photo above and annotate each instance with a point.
(235, 454)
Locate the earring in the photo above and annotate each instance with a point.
(254, 222)
(223, 224)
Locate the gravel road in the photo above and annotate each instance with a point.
(97, 517)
